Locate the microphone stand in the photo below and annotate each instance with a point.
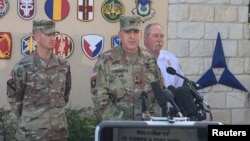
(164, 112)
(145, 113)
(171, 111)
(201, 115)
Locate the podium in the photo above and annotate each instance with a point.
(153, 130)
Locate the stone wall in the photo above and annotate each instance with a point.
(193, 26)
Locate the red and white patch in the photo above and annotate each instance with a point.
(64, 45)
(85, 10)
(26, 9)
(92, 45)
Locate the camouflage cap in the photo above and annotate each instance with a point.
(130, 22)
(45, 26)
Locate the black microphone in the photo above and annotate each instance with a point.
(170, 98)
(187, 101)
(177, 101)
(172, 71)
(160, 98)
(145, 112)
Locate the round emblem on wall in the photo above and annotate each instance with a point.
(64, 45)
(112, 10)
(57, 10)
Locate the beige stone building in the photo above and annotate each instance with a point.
(191, 28)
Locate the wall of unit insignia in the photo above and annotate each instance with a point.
(81, 22)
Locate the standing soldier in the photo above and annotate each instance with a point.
(39, 88)
(122, 74)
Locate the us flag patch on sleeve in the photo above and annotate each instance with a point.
(94, 73)
(93, 79)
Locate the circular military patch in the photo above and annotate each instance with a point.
(112, 10)
(64, 45)
(57, 9)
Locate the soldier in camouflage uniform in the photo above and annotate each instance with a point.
(121, 74)
(39, 88)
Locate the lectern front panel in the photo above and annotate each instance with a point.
(152, 131)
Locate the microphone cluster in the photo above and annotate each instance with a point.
(188, 91)
(172, 71)
(175, 102)
(183, 101)
(166, 101)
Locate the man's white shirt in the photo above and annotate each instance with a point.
(167, 59)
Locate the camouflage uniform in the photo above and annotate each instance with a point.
(38, 93)
(117, 84)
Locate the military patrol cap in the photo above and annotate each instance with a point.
(130, 22)
(45, 26)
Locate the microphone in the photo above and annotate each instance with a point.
(169, 95)
(145, 112)
(172, 71)
(163, 96)
(156, 88)
(177, 101)
(187, 101)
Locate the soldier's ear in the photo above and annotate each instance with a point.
(36, 37)
(119, 34)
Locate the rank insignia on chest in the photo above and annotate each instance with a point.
(169, 63)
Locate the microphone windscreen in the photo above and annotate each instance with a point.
(156, 88)
(171, 70)
(172, 89)
(170, 98)
(176, 99)
(168, 94)
(183, 95)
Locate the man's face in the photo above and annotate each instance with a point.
(45, 41)
(130, 40)
(154, 41)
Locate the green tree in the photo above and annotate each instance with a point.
(7, 125)
(82, 123)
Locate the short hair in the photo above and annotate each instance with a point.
(147, 28)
